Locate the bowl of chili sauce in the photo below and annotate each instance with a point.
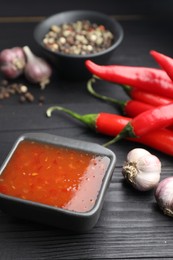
(56, 181)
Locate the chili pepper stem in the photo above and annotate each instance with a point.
(59, 108)
(127, 89)
(126, 132)
(96, 77)
(95, 94)
(112, 141)
(87, 119)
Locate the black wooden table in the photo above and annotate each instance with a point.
(131, 226)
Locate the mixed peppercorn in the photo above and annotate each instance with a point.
(78, 38)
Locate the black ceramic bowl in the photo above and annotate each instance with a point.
(75, 220)
(73, 66)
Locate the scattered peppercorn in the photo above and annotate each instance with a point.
(22, 99)
(41, 100)
(23, 89)
(10, 89)
(29, 96)
(79, 38)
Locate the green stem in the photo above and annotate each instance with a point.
(112, 141)
(87, 119)
(122, 104)
(127, 89)
(126, 132)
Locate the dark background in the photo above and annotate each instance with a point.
(131, 226)
(111, 7)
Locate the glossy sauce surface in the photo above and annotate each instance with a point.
(56, 176)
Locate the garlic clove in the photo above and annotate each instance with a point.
(12, 62)
(142, 169)
(164, 196)
(37, 70)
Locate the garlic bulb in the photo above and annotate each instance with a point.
(37, 70)
(12, 62)
(142, 169)
(164, 196)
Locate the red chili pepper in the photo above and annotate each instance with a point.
(164, 61)
(146, 97)
(150, 120)
(130, 108)
(112, 125)
(148, 79)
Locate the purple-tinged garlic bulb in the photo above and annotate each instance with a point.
(164, 196)
(37, 70)
(12, 62)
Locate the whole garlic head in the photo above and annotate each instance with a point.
(142, 169)
(164, 195)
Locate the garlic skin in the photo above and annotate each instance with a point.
(37, 70)
(164, 196)
(142, 169)
(12, 62)
(136, 154)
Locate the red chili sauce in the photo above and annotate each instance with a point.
(56, 176)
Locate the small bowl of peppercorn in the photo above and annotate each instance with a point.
(69, 38)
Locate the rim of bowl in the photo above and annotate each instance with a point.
(114, 22)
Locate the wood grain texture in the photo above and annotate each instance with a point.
(131, 225)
